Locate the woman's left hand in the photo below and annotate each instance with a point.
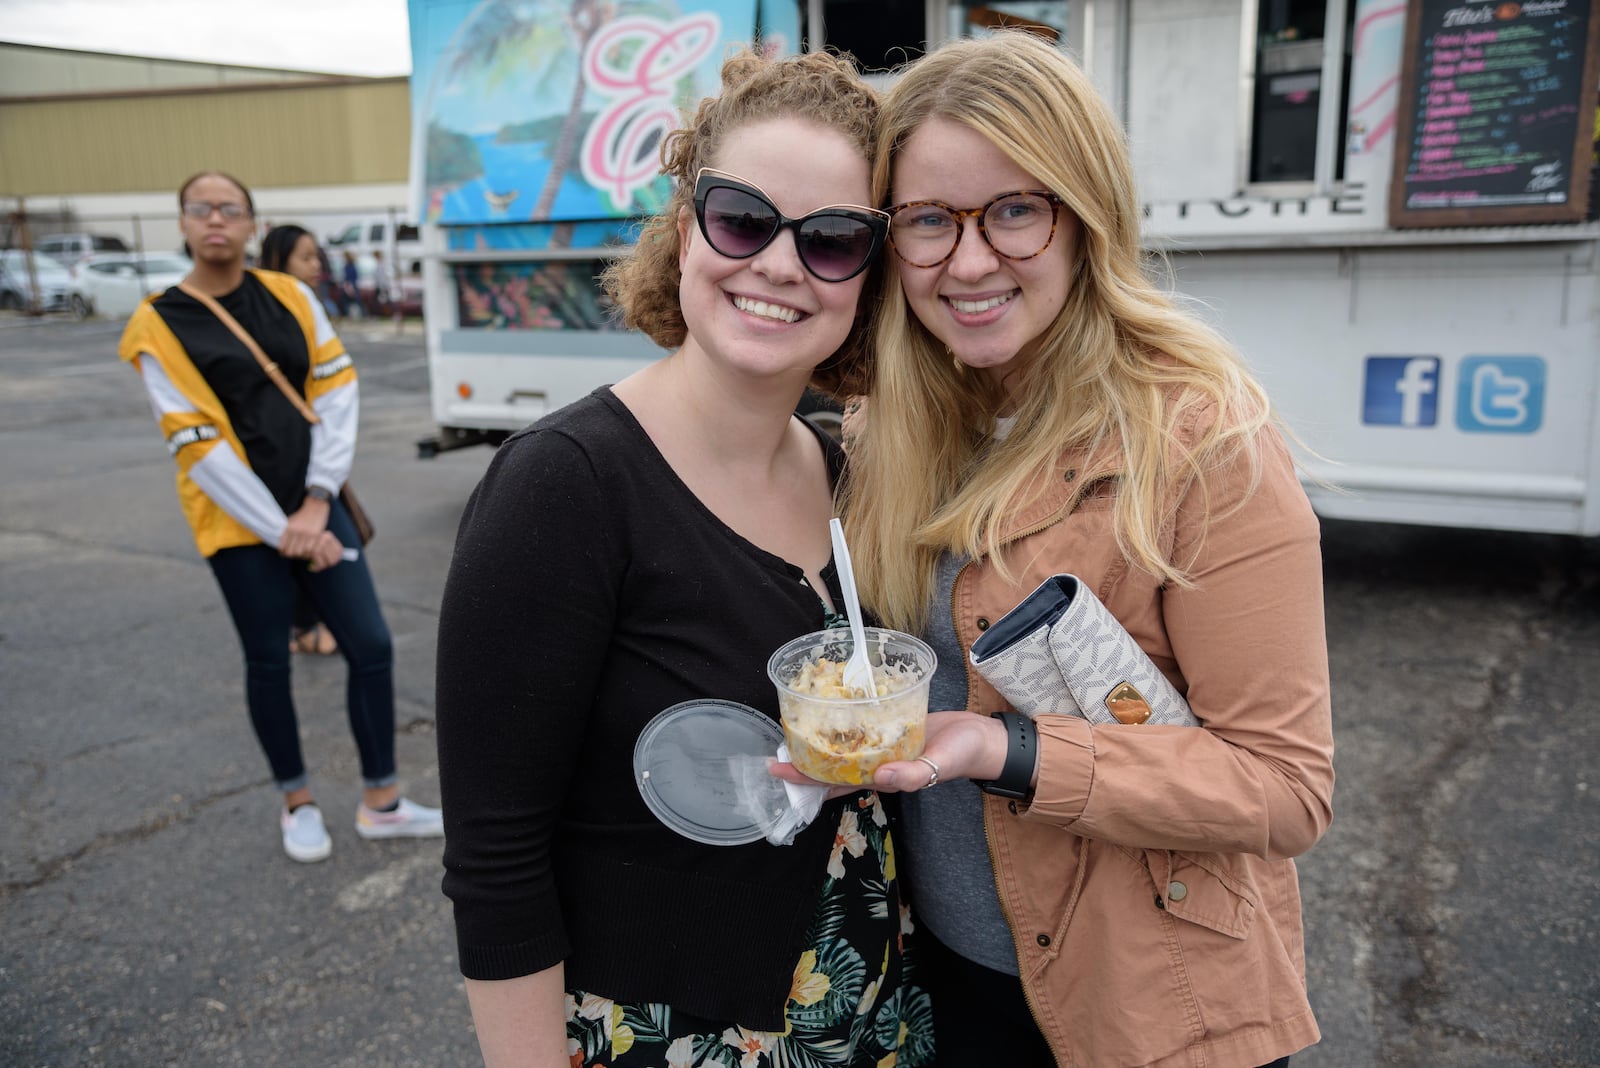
(964, 745)
(328, 552)
(304, 529)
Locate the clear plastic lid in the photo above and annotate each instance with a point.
(701, 767)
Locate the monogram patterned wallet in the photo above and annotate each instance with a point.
(1060, 651)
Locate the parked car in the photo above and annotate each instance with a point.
(112, 284)
(71, 249)
(405, 289)
(403, 247)
(55, 281)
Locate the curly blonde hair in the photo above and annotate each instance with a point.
(818, 87)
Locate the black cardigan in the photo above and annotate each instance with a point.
(589, 590)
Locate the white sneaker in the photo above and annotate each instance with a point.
(304, 837)
(410, 820)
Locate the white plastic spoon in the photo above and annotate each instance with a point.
(858, 669)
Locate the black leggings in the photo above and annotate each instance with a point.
(981, 1016)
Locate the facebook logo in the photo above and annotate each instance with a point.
(1500, 395)
(1401, 391)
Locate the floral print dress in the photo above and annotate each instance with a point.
(852, 1003)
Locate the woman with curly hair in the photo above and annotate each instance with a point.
(653, 544)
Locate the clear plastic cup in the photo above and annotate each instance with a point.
(840, 736)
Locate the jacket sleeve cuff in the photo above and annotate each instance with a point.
(1066, 769)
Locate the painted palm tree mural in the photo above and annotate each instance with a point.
(552, 111)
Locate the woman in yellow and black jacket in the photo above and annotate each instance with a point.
(259, 485)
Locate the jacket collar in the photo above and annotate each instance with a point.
(1066, 481)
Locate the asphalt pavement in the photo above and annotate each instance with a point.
(149, 917)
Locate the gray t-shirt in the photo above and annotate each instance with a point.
(950, 876)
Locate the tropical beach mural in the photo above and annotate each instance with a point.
(561, 295)
(553, 111)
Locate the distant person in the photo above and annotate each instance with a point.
(382, 285)
(259, 485)
(293, 251)
(350, 287)
(327, 290)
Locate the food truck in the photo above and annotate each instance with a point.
(1384, 203)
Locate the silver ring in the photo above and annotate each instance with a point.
(933, 780)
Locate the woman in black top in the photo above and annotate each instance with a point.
(293, 251)
(259, 485)
(651, 544)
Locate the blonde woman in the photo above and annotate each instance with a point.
(1099, 895)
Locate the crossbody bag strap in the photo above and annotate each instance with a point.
(272, 369)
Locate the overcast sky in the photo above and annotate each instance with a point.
(338, 36)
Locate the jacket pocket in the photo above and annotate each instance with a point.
(1209, 889)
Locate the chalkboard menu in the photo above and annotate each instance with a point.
(1496, 112)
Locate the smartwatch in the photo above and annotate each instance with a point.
(319, 493)
(1022, 756)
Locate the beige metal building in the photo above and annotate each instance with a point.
(100, 142)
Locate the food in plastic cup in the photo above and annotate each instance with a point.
(839, 735)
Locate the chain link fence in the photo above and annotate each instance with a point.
(56, 260)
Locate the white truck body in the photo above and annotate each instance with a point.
(1443, 374)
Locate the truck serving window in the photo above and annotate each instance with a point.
(1291, 81)
(881, 34)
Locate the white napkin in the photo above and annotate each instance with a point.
(781, 809)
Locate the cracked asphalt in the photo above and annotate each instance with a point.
(149, 917)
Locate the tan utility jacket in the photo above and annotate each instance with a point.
(1154, 906)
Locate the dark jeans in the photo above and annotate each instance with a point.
(259, 587)
(305, 612)
(981, 1016)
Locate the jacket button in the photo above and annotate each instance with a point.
(1176, 891)
(983, 624)
(1012, 805)
(1072, 473)
(1043, 940)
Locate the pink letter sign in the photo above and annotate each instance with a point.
(639, 94)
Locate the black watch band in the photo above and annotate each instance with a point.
(318, 493)
(1022, 756)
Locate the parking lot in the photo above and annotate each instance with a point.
(150, 917)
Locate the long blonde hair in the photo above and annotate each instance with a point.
(1120, 366)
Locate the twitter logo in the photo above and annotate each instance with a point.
(1500, 394)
